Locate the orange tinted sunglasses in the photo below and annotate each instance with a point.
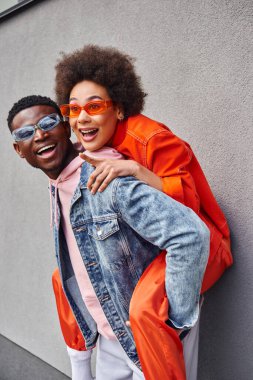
(95, 107)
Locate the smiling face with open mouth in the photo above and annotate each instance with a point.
(51, 151)
(93, 131)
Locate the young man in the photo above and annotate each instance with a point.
(104, 243)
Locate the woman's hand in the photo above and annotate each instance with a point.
(106, 170)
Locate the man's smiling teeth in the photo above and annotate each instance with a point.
(89, 131)
(45, 148)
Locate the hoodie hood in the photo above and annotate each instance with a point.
(67, 182)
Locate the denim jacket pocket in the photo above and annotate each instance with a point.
(101, 229)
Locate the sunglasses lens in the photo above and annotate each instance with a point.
(74, 110)
(24, 133)
(70, 110)
(93, 108)
(49, 122)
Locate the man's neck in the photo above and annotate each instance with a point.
(54, 174)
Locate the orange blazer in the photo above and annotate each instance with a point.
(154, 146)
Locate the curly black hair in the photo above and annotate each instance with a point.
(30, 101)
(105, 66)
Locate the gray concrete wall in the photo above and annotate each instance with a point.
(195, 58)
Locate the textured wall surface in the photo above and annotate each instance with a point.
(17, 363)
(195, 59)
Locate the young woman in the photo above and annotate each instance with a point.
(101, 95)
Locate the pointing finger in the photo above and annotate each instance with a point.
(90, 160)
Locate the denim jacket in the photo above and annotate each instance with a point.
(119, 232)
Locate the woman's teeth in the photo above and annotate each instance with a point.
(90, 131)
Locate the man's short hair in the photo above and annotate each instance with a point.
(30, 101)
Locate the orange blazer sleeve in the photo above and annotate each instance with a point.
(168, 157)
(70, 329)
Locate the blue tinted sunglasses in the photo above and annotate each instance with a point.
(45, 124)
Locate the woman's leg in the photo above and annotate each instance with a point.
(191, 349)
(159, 348)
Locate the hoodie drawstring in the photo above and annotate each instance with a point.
(55, 202)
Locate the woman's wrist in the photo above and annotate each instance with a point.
(137, 169)
(147, 176)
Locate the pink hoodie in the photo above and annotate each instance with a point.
(65, 186)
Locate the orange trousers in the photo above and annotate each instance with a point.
(158, 345)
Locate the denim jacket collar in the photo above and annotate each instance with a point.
(85, 173)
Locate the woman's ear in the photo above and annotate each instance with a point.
(120, 113)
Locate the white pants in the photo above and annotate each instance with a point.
(191, 349)
(113, 363)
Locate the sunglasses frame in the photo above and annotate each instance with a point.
(106, 103)
(37, 126)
